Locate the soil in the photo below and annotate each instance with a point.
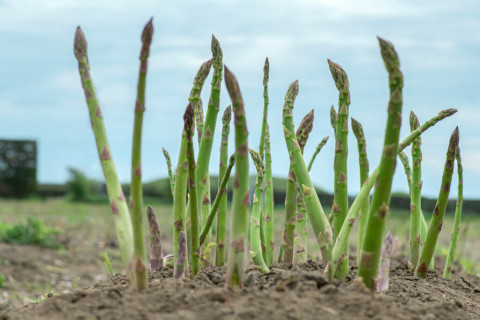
(287, 292)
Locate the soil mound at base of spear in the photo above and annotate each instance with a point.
(287, 292)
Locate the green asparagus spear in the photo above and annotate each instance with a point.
(118, 204)
(169, 166)
(439, 212)
(374, 229)
(193, 192)
(340, 194)
(241, 184)
(364, 172)
(136, 197)
(316, 215)
(255, 238)
(458, 216)
(416, 196)
(269, 201)
(222, 209)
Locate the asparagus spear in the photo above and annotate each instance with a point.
(199, 119)
(374, 229)
(121, 215)
(264, 148)
(179, 270)
(255, 238)
(291, 199)
(156, 253)
(333, 118)
(340, 194)
(316, 215)
(458, 216)
(439, 212)
(240, 186)
(300, 231)
(408, 170)
(181, 175)
(416, 196)
(269, 201)
(317, 151)
(169, 166)
(205, 148)
(222, 209)
(193, 192)
(364, 172)
(221, 195)
(136, 197)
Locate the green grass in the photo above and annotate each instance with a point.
(32, 231)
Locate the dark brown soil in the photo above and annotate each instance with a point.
(298, 292)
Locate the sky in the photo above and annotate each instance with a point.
(41, 96)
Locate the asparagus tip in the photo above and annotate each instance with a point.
(292, 91)
(80, 44)
(266, 71)
(147, 33)
(339, 75)
(389, 56)
(454, 139)
(227, 115)
(188, 117)
(216, 49)
(357, 128)
(414, 123)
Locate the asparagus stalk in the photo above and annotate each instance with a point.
(364, 172)
(439, 212)
(206, 203)
(136, 197)
(266, 222)
(300, 231)
(266, 71)
(255, 237)
(206, 142)
(170, 174)
(318, 219)
(241, 183)
(374, 229)
(179, 270)
(121, 215)
(181, 175)
(384, 267)
(408, 170)
(269, 201)
(156, 253)
(416, 196)
(222, 191)
(447, 272)
(340, 202)
(193, 192)
(222, 209)
(317, 151)
(292, 201)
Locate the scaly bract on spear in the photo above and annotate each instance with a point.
(241, 201)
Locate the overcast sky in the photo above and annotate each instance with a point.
(41, 96)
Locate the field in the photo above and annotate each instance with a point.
(32, 273)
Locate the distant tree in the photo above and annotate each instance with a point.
(78, 185)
